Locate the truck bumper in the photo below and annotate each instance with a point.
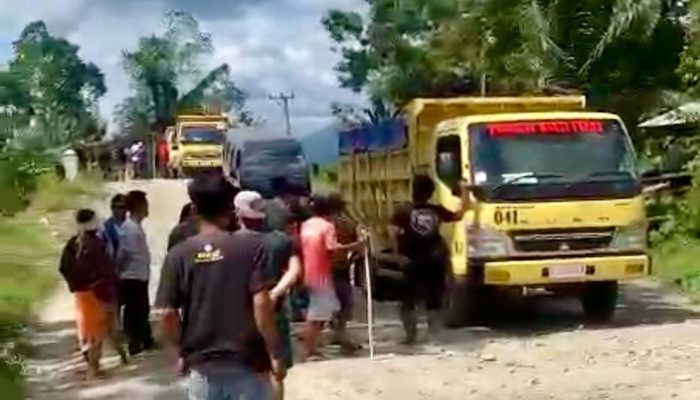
(560, 270)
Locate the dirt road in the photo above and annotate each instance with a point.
(538, 351)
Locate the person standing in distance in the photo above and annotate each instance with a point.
(133, 262)
(218, 316)
(418, 241)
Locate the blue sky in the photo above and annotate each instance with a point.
(271, 45)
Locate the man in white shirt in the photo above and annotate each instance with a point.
(134, 266)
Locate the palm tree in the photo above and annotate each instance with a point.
(161, 67)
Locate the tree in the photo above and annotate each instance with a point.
(620, 52)
(166, 78)
(348, 115)
(49, 84)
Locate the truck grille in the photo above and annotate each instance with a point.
(203, 156)
(562, 240)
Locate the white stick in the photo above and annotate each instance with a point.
(370, 310)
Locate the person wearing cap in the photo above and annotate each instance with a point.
(90, 276)
(319, 242)
(218, 317)
(283, 266)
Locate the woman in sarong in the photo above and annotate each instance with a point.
(88, 271)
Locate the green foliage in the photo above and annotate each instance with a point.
(623, 53)
(19, 170)
(676, 263)
(56, 195)
(27, 273)
(48, 82)
(166, 78)
(377, 112)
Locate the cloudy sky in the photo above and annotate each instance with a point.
(271, 45)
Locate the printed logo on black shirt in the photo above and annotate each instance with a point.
(208, 255)
(425, 222)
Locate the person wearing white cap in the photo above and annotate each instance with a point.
(283, 267)
(218, 317)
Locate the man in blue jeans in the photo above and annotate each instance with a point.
(218, 315)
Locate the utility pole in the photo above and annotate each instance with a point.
(284, 99)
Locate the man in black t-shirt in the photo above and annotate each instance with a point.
(418, 241)
(218, 314)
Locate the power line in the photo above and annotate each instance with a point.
(284, 99)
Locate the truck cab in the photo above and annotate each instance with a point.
(200, 140)
(557, 204)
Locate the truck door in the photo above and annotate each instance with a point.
(449, 169)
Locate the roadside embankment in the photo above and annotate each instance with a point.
(30, 243)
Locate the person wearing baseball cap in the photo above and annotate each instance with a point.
(283, 266)
(223, 350)
(250, 206)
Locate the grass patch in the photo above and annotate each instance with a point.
(677, 262)
(29, 252)
(28, 272)
(54, 195)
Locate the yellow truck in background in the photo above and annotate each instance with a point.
(196, 143)
(556, 200)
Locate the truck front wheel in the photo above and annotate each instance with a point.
(467, 304)
(599, 300)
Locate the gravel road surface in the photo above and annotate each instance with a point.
(536, 350)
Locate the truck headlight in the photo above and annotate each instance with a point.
(630, 237)
(487, 243)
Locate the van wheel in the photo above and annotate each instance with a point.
(467, 304)
(599, 300)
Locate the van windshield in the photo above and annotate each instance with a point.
(202, 136)
(272, 151)
(553, 159)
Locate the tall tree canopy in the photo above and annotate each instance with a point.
(166, 78)
(618, 51)
(48, 84)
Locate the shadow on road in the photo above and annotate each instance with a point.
(641, 303)
(57, 371)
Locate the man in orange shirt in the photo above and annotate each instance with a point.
(163, 158)
(318, 244)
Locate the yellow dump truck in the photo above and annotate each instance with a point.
(556, 201)
(197, 143)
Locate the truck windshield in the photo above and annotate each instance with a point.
(553, 159)
(202, 136)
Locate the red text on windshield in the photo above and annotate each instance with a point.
(544, 127)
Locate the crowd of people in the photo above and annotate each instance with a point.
(239, 270)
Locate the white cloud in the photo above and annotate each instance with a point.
(271, 45)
